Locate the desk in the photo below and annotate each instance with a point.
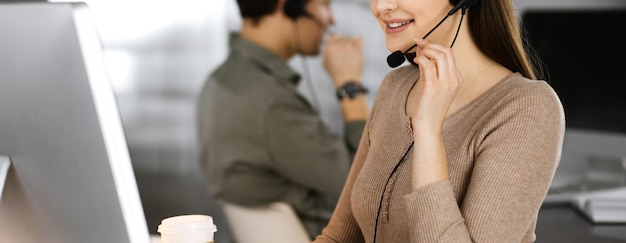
(167, 195)
(562, 223)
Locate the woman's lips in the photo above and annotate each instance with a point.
(393, 27)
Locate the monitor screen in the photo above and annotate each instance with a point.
(70, 177)
(584, 56)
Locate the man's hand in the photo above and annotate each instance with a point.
(343, 59)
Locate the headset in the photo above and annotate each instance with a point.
(461, 4)
(296, 8)
(398, 57)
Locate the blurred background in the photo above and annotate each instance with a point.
(158, 54)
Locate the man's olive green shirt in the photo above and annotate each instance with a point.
(263, 142)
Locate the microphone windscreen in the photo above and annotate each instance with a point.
(395, 59)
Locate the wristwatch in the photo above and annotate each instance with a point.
(350, 89)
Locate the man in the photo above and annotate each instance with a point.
(262, 141)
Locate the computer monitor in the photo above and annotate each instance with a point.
(585, 56)
(70, 179)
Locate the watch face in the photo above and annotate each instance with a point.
(350, 89)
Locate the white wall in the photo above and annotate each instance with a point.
(158, 54)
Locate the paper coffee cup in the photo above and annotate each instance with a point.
(194, 228)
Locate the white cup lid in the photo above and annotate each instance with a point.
(187, 223)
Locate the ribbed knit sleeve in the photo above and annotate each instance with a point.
(517, 148)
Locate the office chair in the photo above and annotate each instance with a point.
(277, 223)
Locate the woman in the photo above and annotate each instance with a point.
(462, 145)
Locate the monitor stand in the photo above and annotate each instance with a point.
(5, 163)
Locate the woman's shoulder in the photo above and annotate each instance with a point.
(524, 89)
(519, 102)
(521, 96)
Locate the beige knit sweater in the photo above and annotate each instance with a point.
(502, 148)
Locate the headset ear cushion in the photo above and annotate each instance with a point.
(471, 2)
(468, 3)
(294, 8)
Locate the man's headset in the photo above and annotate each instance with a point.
(398, 57)
(295, 9)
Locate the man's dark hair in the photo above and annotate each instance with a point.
(256, 9)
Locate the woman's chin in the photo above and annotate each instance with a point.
(395, 45)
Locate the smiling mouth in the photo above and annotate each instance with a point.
(397, 25)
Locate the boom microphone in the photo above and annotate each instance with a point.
(398, 57)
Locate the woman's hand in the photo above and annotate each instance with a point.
(436, 88)
(428, 105)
